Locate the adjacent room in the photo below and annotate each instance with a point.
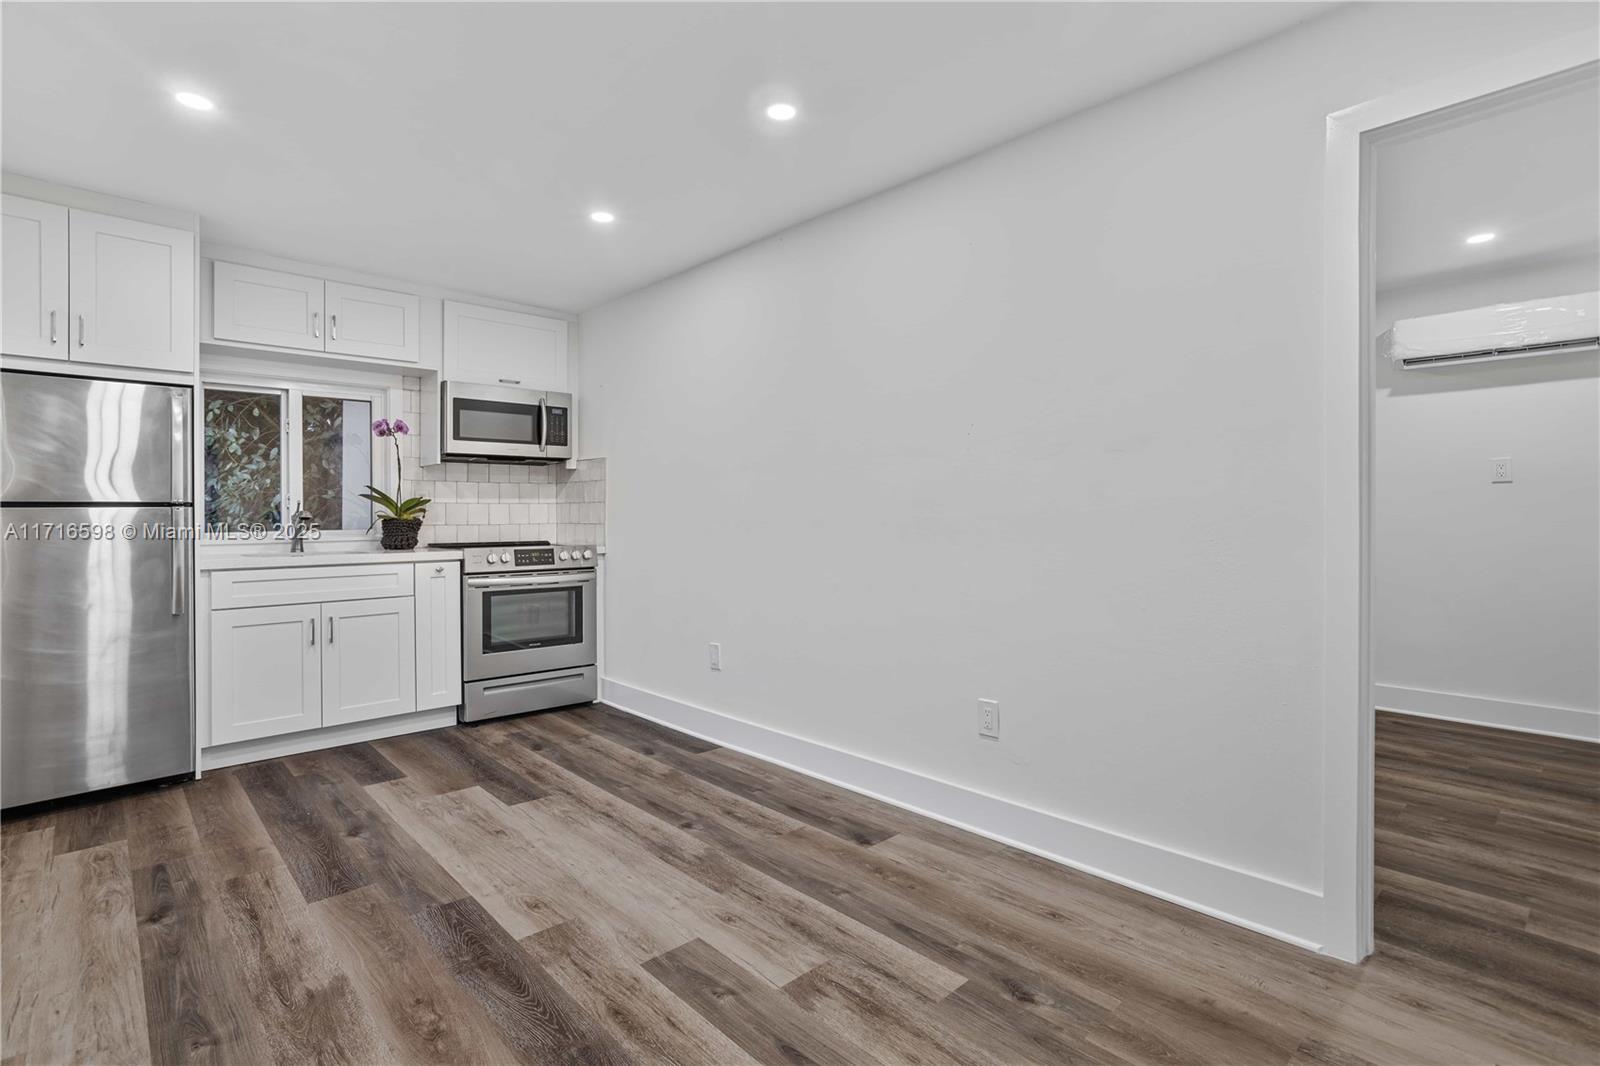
(864, 533)
(1486, 522)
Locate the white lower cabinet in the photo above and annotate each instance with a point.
(438, 635)
(280, 667)
(368, 649)
(266, 672)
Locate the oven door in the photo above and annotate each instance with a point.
(491, 422)
(528, 623)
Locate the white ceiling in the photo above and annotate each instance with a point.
(1525, 168)
(465, 144)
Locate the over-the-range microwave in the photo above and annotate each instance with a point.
(493, 423)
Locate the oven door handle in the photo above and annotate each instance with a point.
(528, 582)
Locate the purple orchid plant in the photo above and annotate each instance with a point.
(416, 506)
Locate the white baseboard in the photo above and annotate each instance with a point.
(1257, 902)
(1478, 710)
(316, 739)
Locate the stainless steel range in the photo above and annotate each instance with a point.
(528, 627)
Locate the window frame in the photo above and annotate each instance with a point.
(384, 401)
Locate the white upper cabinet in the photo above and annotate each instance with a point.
(258, 306)
(34, 249)
(495, 347)
(273, 308)
(374, 323)
(96, 288)
(131, 292)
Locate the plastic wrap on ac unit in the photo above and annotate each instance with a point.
(1486, 331)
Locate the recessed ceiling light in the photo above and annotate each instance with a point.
(1480, 238)
(195, 101)
(781, 112)
(602, 216)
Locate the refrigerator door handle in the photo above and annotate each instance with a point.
(180, 449)
(180, 565)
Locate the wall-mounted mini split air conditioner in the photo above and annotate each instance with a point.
(1503, 331)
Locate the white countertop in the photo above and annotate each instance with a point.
(268, 556)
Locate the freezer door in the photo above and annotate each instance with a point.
(83, 440)
(95, 665)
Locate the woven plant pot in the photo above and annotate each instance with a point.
(400, 534)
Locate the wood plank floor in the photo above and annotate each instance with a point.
(584, 887)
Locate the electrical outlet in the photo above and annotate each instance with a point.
(715, 655)
(989, 719)
(1500, 470)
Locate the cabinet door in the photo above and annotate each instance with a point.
(368, 659)
(34, 248)
(266, 672)
(438, 635)
(494, 347)
(374, 323)
(266, 307)
(131, 293)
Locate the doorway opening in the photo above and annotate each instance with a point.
(1481, 392)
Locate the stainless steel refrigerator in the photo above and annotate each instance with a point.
(96, 637)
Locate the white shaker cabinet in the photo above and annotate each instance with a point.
(374, 323)
(494, 347)
(438, 635)
(258, 306)
(302, 648)
(266, 672)
(34, 248)
(275, 308)
(367, 659)
(131, 293)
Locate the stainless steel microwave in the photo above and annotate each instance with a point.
(493, 423)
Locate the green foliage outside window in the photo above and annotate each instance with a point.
(244, 455)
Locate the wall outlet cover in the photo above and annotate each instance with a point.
(1500, 470)
(989, 719)
(714, 655)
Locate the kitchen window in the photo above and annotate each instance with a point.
(271, 449)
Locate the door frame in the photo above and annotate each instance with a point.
(1347, 375)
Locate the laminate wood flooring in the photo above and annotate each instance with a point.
(586, 887)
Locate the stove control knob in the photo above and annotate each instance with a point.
(563, 557)
(505, 557)
(588, 554)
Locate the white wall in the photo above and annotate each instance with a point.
(1042, 427)
(1486, 598)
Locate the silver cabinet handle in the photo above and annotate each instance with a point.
(80, 331)
(52, 327)
(313, 643)
(330, 629)
(511, 381)
(316, 327)
(438, 569)
(333, 326)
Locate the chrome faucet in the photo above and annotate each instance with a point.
(301, 522)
